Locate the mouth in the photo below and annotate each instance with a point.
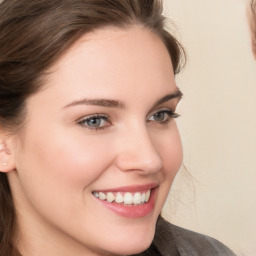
(125, 198)
(132, 201)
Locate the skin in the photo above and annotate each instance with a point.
(56, 162)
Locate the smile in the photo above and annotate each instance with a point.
(126, 198)
(130, 201)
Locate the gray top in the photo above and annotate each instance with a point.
(171, 240)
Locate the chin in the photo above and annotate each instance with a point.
(133, 243)
(133, 247)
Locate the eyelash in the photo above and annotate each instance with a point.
(170, 115)
(84, 122)
(95, 116)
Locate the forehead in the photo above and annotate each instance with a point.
(111, 40)
(133, 51)
(123, 64)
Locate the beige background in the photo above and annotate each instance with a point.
(218, 123)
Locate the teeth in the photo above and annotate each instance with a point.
(110, 197)
(102, 196)
(119, 198)
(137, 198)
(96, 194)
(127, 198)
(143, 197)
(147, 196)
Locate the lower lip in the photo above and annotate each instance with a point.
(132, 211)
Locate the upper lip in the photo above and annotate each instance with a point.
(131, 188)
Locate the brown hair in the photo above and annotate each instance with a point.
(252, 23)
(33, 35)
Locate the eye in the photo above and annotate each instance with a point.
(163, 116)
(95, 122)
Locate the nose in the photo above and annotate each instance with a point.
(137, 152)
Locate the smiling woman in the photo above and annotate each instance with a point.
(89, 144)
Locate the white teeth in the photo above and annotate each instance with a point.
(137, 198)
(127, 198)
(110, 197)
(147, 196)
(96, 194)
(102, 196)
(143, 197)
(119, 198)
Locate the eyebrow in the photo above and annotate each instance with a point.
(117, 104)
(176, 95)
(97, 102)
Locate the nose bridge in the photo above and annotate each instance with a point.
(138, 151)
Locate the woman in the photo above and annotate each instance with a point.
(89, 145)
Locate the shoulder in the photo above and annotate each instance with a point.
(187, 242)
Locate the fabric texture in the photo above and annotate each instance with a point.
(171, 240)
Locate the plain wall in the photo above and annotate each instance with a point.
(218, 123)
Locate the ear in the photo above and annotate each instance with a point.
(6, 156)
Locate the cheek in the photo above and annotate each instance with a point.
(173, 158)
(74, 161)
(58, 168)
(170, 148)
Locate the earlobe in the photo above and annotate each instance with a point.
(6, 158)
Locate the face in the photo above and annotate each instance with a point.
(100, 137)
